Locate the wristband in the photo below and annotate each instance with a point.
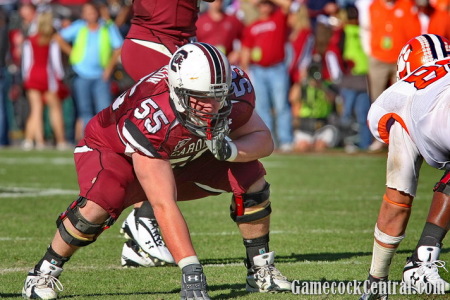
(234, 151)
(189, 260)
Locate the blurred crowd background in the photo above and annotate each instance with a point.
(316, 65)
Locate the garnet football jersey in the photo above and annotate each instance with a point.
(169, 17)
(144, 120)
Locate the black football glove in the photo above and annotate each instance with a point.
(222, 147)
(193, 283)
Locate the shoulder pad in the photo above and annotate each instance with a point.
(243, 90)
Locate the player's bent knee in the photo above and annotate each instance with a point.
(89, 231)
(259, 203)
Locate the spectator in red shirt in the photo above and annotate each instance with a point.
(263, 54)
(221, 30)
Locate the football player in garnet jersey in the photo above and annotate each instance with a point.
(412, 116)
(186, 131)
(158, 29)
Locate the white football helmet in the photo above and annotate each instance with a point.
(200, 70)
(420, 50)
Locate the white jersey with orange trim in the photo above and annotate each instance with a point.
(413, 117)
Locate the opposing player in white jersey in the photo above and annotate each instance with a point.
(413, 118)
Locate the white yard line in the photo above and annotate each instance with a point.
(15, 192)
(74, 267)
(223, 233)
(36, 161)
(237, 233)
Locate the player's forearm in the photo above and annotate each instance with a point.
(245, 58)
(157, 180)
(174, 230)
(254, 146)
(65, 46)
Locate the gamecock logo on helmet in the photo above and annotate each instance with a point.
(178, 59)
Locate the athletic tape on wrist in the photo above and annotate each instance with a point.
(234, 151)
(385, 238)
(190, 260)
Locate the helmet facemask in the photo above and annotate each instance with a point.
(202, 123)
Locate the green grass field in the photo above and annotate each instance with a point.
(324, 210)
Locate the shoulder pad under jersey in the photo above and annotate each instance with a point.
(242, 98)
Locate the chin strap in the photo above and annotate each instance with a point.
(209, 131)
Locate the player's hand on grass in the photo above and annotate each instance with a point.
(193, 283)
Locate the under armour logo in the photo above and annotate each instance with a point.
(414, 278)
(150, 244)
(192, 278)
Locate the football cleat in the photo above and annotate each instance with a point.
(264, 277)
(422, 275)
(41, 286)
(133, 256)
(145, 233)
(379, 295)
(129, 228)
(150, 240)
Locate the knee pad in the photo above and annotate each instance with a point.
(443, 185)
(246, 200)
(81, 224)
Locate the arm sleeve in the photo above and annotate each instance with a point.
(56, 60)
(26, 59)
(333, 65)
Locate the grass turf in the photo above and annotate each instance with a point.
(324, 210)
